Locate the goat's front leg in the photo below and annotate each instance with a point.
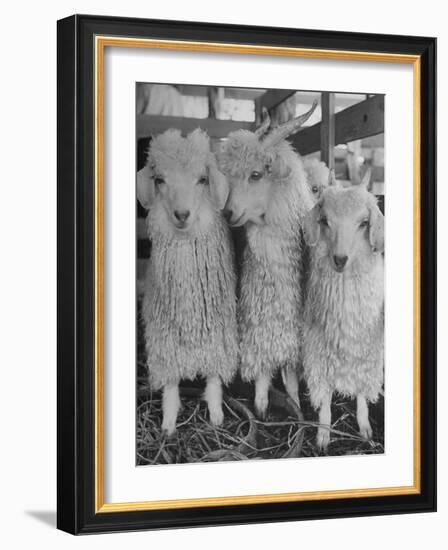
(170, 406)
(262, 383)
(323, 432)
(213, 396)
(362, 415)
(291, 381)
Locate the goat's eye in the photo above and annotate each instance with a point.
(314, 189)
(158, 180)
(364, 223)
(323, 220)
(255, 176)
(203, 180)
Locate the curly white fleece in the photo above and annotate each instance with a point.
(270, 305)
(189, 306)
(343, 347)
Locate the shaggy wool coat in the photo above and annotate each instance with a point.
(270, 308)
(189, 307)
(343, 347)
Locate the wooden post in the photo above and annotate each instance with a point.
(211, 96)
(258, 108)
(327, 129)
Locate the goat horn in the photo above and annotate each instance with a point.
(332, 178)
(365, 182)
(266, 122)
(288, 128)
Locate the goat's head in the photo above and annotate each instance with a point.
(254, 164)
(319, 177)
(345, 224)
(182, 178)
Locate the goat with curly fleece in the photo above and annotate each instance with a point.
(343, 344)
(269, 195)
(189, 306)
(318, 176)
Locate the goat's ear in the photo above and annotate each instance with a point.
(376, 231)
(219, 187)
(311, 228)
(146, 191)
(278, 167)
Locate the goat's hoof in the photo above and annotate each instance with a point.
(296, 400)
(366, 432)
(261, 408)
(217, 417)
(323, 439)
(168, 428)
(262, 413)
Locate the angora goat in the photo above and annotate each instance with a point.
(270, 196)
(318, 176)
(189, 307)
(343, 344)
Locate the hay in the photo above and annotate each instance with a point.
(241, 437)
(195, 440)
(345, 438)
(283, 434)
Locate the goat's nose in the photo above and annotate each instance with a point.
(340, 261)
(182, 215)
(228, 214)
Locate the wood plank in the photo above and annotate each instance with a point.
(360, 121)
(243, 93)
(148, 125)
(141, 267)
(142, 231)
(307, 140)
(143, 248)
(272, 98)
(231, 93)
(327, 129)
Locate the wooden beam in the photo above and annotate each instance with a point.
(243, 93)
(150, 125)
(272, 98)
(360, 121)
(327, 129)
(232, 93)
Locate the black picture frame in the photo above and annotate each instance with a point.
(76, 254)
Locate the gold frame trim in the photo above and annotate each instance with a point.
(101, 42)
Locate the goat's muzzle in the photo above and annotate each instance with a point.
(340, 262)
(182, 215)
(227, 213)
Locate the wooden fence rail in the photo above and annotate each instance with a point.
(362, 120)
(148, 125)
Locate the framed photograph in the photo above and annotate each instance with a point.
(246, 274)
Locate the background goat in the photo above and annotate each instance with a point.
(318, 176)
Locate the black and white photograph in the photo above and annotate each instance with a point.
(260, 273)
(246, 323)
